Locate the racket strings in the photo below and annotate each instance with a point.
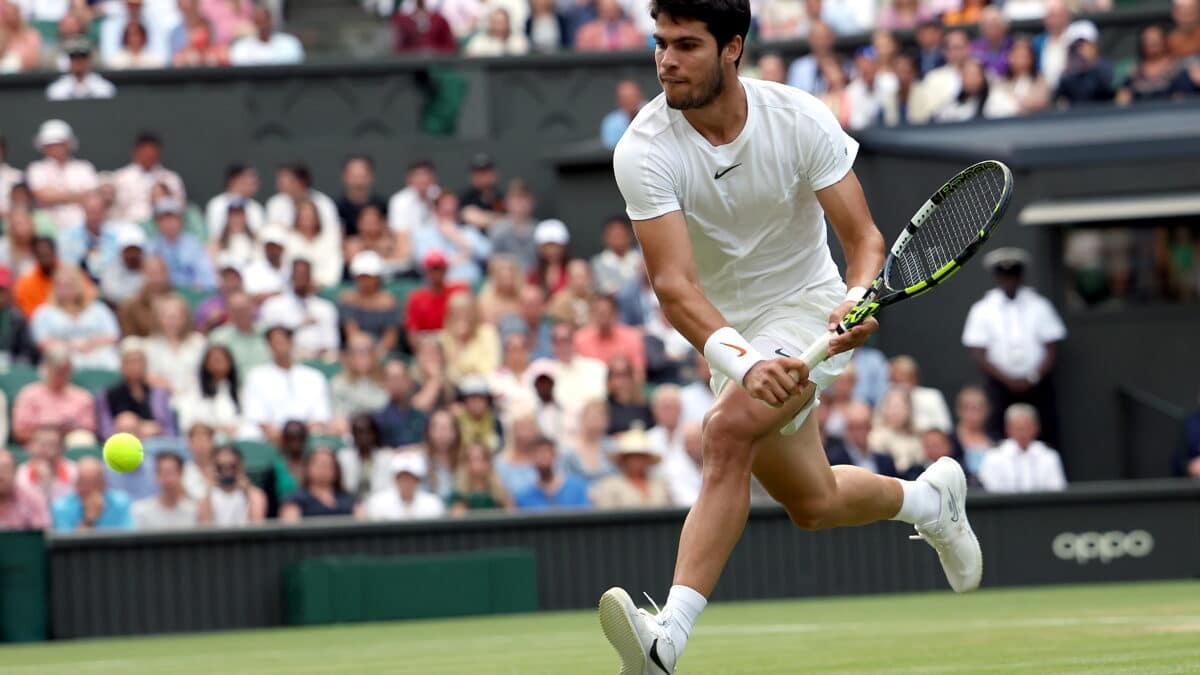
(952, 227)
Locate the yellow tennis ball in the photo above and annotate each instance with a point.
(123, 452)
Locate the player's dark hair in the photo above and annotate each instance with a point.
(723, 18)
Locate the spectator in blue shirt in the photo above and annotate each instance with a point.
(93, 506)
(184, 253)
(553, 489)
(629, 101)
(465, 247)
(91, 244)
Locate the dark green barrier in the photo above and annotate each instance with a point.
(362, 588)
(24, 609)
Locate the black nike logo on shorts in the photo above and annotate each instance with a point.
(718, 174)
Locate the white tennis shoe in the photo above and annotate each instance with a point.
(642, 640)
(950, 534)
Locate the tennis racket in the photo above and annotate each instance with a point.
(944, 234)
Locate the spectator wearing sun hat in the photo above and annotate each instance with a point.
(551, 238)
(368, 308)
(426, 310)
(1088, 77)
(59, 180)
(405, 500)
(634, 485)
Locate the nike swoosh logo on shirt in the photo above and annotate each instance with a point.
(718, 174)
(740, 350)
(783, 353)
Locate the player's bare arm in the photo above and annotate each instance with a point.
(672, 270)
(846, 207)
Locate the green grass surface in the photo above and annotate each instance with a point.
(1112, 628)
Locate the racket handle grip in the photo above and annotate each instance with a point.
(817, 352)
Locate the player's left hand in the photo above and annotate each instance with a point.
(853, 338)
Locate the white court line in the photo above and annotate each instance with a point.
(1040, 622)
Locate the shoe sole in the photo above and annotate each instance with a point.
(616, 612)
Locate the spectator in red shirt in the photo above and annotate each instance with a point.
(426, 311)
(21, 508)
(604, 337)
(422, 30)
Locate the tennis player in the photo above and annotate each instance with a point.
(728, 183)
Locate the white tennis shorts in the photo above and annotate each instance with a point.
(787, 329)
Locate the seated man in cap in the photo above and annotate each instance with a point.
(60, 181)
(123, 278)
(406, 500)
(79, 82)
(187, 260)
(1012, 334)
(426, 309)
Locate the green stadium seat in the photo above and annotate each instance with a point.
(327, 369)
(326, 441)
(257, 456)
(96, 380)
(194, 296)
(18, 452)
(401, 289)
(331, 294)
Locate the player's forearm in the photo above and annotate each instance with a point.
(864, 256)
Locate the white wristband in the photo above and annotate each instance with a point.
(855, 293)
(730, 354)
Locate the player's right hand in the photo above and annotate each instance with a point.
(771, 381)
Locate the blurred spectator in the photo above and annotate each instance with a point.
(977, 98)
(552, 488)
(1021, 463)
(992, 47)
(930, 36)
(666, 406)
(512, 234)
(16, 344)
(74, 321)
(531, 322)
(368, 308)
(47, 472)
(320, 492)
(787, 19)
(199, 472)
(358, 388)
(294, 184)
(175, 348)
(855, 446)
(500, 295)
(187, 261)
(553, 418)
(284, 390)
(498, 39)
(213, 311)
(432, 382)
(310, 240)
(576, 378)
(16, 246)
(1023, 83)
(34, 287)
(444, 440)
(214, 402)
(365, 466)
(198, 47)
(473, 347)
(483, 203)
(635, 485)
(135, 181)
(1184, 39)
(1152, 76)
(805, 72)
(54, 401)
(572, 304)
(551, 238)
(266, 47)
(92, 506)
(971, 409)
(835, 399)
(626, 397)
(609, 31)
(620, 263)
(358, 191)
(1088, 77)
(373, 234)
(682, 471)
(154, 28)
(426, 310)
(286, 471)
(836, 97)
(969, 13)
(509, 383)
(21, 507)
(476, 485)
(848, 17)
(941, 86)
(515, 465)
(630, 99)
(405, 500)
(133, 405)
(135, 52)
(477, 421)
(248, 346)
(892, 431)
(1053, 44)
(136, 315)
(887, 48)
(422, 31)
(463, 246)
(241, 185)
(895, 108)
(411, 209)
(1012, 334)
(60, 181)
(232, 500)
(590, 456)
(171, 508)
(231, 19)
(314, 319)
(20, 43)
(903, 15)
(605, 337)
(10, 177)
(269, 273)
(79, 82)
(401, 420)
(91, 244)
(1187, 80)
(870, 91)
(546, 28)
(695, 396)
(935, 444)
(771, 67)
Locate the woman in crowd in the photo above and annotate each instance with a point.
(430, 372)
(1152, 76)
(892, 432)
(393, 248)
(473, 347)
(358, 388)
(590, 457)
(233, 244)
(443, 445)
(308, 240)
(175, 349)
(133, 54)
(546, 29)
(214, 401)
(499, 39)
(368, 307)
(201, 50)
(551, 238)
(903, 15)
(20, 43)
(514, 465)
(835, 96)
(501, 293)
(476, 485)
(199, 472)
(508, 383)
(571, 304)
(320, 492)
(72, 319)
(972, 410)
(132, 405)
(1024, 83)
(977, 99)
(366, 465)
(233, 500)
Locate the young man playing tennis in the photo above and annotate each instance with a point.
(727, 182)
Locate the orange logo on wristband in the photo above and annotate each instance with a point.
(740, 350)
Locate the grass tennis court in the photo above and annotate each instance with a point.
(1112, 628)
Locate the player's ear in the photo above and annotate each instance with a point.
(733, 49)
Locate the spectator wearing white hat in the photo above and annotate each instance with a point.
(405, 500)
(1088, 77)
(79, 82)
(634, 485)
(1012, 334)
(551, 238)
(59, 180)
(368, 308)
(187, 260)
(314, 319)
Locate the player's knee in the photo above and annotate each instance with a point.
(727, 445)
(811, 513)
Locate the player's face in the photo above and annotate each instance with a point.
(690, 67)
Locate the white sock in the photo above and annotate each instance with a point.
(685, 605)
(922, 502)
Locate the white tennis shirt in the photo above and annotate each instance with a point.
(756, 228)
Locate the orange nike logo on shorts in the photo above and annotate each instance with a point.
(740, 350)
